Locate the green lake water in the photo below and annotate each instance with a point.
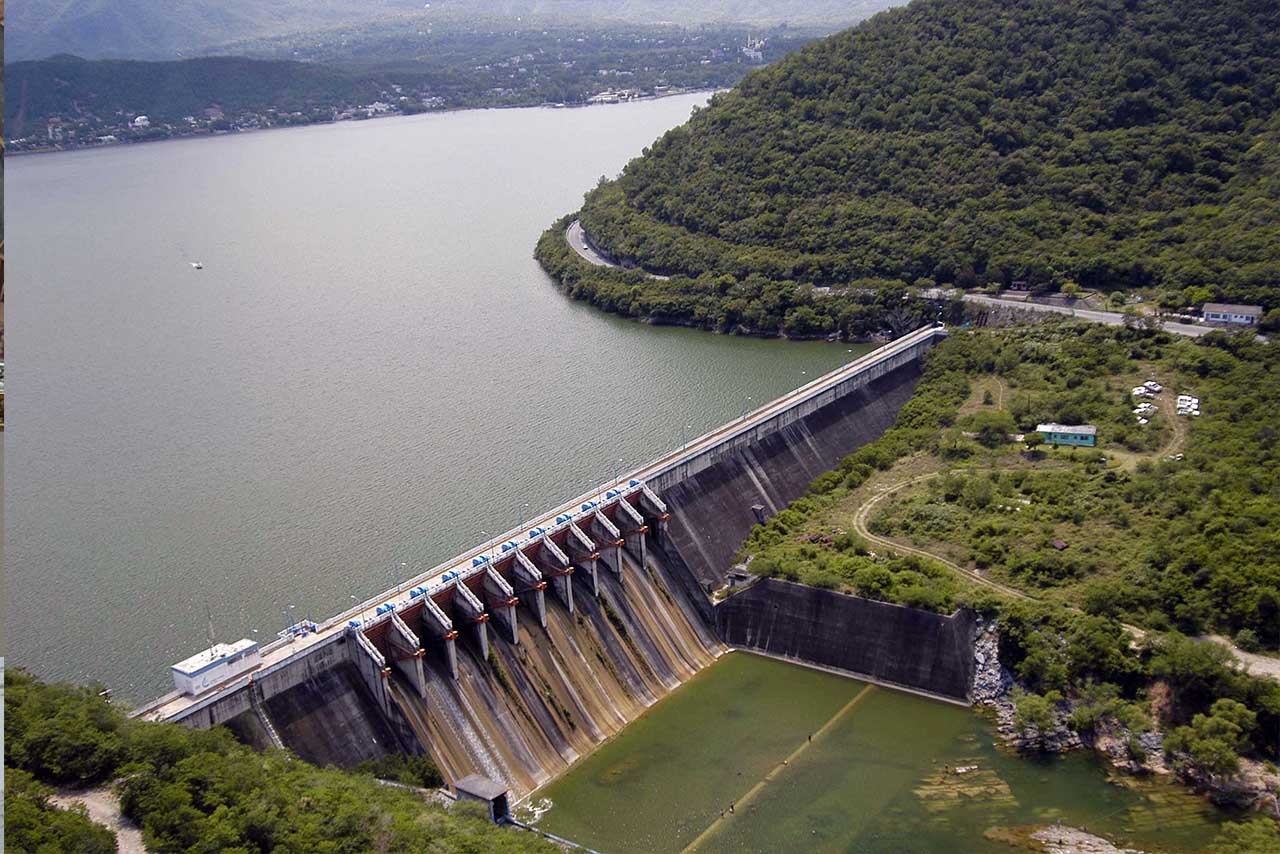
(880, 777)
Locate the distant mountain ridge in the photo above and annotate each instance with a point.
(167, 29)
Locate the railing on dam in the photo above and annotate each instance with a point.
(682, 463)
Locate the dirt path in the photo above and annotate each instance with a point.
(104, 809)
(860, 526)
(1180, 426)
(1257, 665)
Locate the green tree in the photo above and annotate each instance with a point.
(1196, 295)
(1033, 710)
(1253, 836)
(61, 733)
(991, 428)
(804, 322)
(1197, 671)
(1214, 741)
(33, 824)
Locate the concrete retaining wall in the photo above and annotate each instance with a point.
(711, 502)
(884, 365)
(899, 646)
(331, 720)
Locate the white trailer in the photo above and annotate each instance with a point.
(215, 665)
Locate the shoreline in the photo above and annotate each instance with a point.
(552, 105)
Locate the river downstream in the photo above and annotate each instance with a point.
(370, 370)
(754, 754)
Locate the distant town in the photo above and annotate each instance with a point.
(65, 133)
(65, 102)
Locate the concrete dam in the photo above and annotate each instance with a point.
(519, 656)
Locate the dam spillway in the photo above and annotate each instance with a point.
(520, 655)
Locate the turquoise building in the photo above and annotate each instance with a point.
(1084, 435)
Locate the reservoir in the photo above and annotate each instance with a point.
(369, 372)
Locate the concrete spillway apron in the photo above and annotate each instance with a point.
(610, 541)
(533, 588)
(755, 790)
(408, 653)
(501, 600)
(634, 531)
(585, 555)
(440, 627)
(473, 611)
(556, 565)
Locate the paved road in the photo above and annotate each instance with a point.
(1110, 318)
(578, 240)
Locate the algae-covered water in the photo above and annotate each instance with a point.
(811, 761)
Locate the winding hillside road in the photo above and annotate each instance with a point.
(581, 244)
(577, 238)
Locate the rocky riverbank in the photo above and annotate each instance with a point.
(1256, 786)
(1056, 840)
(994, 686)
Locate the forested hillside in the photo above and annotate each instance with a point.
(1113, 143)
(105, 89)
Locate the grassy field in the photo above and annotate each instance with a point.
(1171, 524)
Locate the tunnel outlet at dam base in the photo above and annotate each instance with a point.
(474, 665)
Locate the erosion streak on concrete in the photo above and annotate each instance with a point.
(532, 709)
(778, 769)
